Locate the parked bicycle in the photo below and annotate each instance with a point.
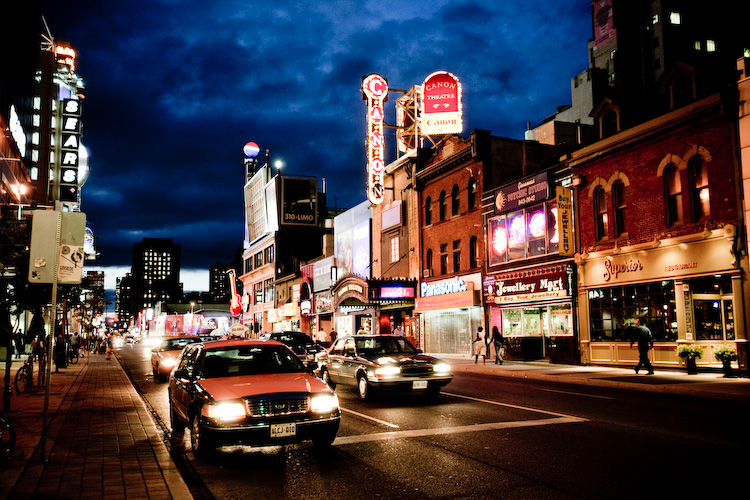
(25, 376)
(7, 438)
(72, 355)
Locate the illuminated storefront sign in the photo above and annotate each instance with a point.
(441, 104)
(530, 285)
(70, 149)
(453, 285)
(67, 56)
(522, 193)
(392, 289)
(564, 219)
(375, 89)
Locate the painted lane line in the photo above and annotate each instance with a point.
(577, 394)
(492, 426)
(368, 417)
(525, 408)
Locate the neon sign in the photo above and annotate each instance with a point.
(375, 89)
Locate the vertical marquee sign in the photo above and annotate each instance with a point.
(441, 104)
(70, 149)
(375, 89)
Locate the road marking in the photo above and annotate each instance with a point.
(526, 408)
(491, 426)
(578, 394)
(368, 417)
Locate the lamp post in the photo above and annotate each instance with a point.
(278, 164)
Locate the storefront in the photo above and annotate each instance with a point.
(687, 290)
(351, 310)
(533, 308)
(450, 312)
(394, 300)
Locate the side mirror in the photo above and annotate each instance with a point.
(181, 374)
(311, 367)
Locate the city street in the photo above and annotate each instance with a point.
(486, 436)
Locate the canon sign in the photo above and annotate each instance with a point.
(441, 104)
(375, 89)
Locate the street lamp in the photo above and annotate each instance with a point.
(192, 307)
(278, 164)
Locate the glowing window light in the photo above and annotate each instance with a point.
(537, 225)
(500, 240)
(517, 231)
(555, 236)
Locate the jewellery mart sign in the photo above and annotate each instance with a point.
(528, 285)
(668, 262)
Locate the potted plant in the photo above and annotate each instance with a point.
(726, 354)
(690, 353)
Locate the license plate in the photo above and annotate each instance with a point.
(419, 384)
(283, 430)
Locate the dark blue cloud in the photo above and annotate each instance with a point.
(176, 88)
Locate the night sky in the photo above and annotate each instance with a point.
(175, 88)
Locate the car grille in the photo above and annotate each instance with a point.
(276, 406)
(416, 370)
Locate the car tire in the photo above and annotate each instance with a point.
(327, 378)
(156, 373)
(432, 392)
(199, 441)
(364, 390)
(178, 426)
(324, 441)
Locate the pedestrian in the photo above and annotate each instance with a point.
(480, 347)
(19, 345)
(497, 339)
(642, 335)
(321, 336)
(334, 334)
(108, 351)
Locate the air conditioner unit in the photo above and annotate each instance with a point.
(426, 273)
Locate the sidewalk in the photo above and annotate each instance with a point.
(101, 441)
(709, 384)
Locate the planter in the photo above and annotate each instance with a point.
(692, 367)
(726, 366)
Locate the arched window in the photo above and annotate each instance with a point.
(472, 188)
(700, 203)
(473, 252)
(600, 212)
(443, 205)
(455, 201)
(428, 261)
(428, 211)
(673, 194)
(619, 207)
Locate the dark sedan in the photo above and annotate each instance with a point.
(302, 344)
(383, 363)
(249, 392)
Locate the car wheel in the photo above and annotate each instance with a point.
(363, 388)
(327, 379)
(324, 441)
(155, 372)
(199, 441)
(432, 392)
(178, 426)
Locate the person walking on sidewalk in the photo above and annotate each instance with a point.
(480, 347)
(642, 335)
(497, 339)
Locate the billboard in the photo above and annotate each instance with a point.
(375, 90)
(441, 104)
(299, 201)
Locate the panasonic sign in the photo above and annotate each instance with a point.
(454, 285)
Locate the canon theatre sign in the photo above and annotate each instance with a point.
(375, 89)
(441, 104)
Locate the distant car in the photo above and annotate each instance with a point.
(302, 344)
(373, 363)
(249, 392)
(164, 356)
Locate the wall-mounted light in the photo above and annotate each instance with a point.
(578, 180)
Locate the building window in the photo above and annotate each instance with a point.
(673, 195)
(529, 232)
(710, 46)
(456, 256)
(443, 205)
(428, 261)
(428, 211)
(455, 201)
(472, 193)
(444, 258)
(394, 249)
(613, 310)
(473, 254)
(619, 207)
(609, 123)
(600, 212)
(700, 193)
(675, 18)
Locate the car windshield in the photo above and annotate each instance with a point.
(293, 340)
(177, 344)
(383, 346)
(248, 360)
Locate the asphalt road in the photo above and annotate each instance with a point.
(485, 437)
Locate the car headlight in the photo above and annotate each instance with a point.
(441, 368)
(324, 403)
(388, 370)
(168, 362)
(224, 411)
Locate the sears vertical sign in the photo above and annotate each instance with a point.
(441, 104)
(70, 149)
